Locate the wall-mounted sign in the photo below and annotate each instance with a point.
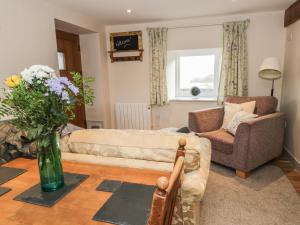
(126, 41)
(123, 42)
(129, 42)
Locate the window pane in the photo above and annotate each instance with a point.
(61, 61)
(197, 71)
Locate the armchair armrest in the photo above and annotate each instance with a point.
(206, 120)
(258, 141)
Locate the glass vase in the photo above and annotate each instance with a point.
(49, 161)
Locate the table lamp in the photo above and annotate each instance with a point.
(270, 70)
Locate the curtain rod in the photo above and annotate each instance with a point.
(203, 25)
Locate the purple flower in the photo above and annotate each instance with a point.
(65, 81)
(65, 96)
(74, 89)
(55, 86)
(59, 85)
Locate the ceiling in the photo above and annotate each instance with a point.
(114, 11)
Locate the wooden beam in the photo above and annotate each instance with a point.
(292, 14)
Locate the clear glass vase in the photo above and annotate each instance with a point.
(49, 161)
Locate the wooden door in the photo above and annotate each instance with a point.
(68, 44)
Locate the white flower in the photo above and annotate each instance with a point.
(39, 72)
(27, 76)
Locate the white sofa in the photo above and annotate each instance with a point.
(147, 150)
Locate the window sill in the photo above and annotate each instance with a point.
(187, 99)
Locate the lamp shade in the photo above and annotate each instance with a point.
(270, 69)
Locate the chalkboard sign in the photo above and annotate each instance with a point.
(130, 42)
(126, 46)
(126, 41)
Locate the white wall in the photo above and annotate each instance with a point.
(291, 91)
(27, 36)
(129, 81)
(90, 58)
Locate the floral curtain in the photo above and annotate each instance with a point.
(234, 72)
(158, 65)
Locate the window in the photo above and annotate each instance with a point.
(190, 68)
(61, 61)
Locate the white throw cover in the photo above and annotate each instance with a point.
(151, 150)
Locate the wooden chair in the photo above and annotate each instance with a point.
(164, 198)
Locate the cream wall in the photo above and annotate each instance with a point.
(129, 81)
(291, 91)
(27, 36)
(90, 58)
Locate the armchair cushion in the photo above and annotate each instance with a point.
(221, 140)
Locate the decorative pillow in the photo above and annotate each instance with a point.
(231, 109)
(238, 118)
(249, 106)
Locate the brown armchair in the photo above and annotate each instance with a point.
(255, 143)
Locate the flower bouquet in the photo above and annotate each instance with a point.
(41, 104)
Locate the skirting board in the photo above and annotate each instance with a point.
(293, 158)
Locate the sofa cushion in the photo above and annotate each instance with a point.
(264, 104)
(160, 146)
(221, 140)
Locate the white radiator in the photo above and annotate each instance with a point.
(133, 116)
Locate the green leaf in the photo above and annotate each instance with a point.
(44, 143)
(86, 92)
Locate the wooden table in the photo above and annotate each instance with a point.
(78, 207)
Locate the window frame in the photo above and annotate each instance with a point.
(205, 93)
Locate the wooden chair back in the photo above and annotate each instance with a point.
(164, 198)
